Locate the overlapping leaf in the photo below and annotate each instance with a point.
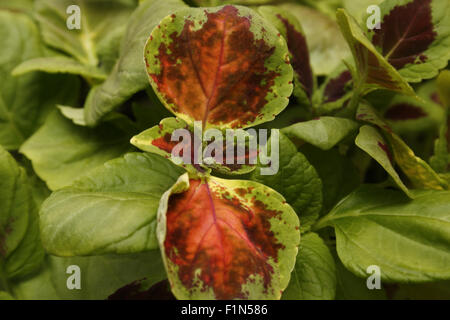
(128, 74)
(314, 275)
(326, 44)
(407, 239)
(297, 181)
(372, 142)
(239, 239)
(373, 69)
(292, 31)
(324, 132)
(110, 210)
(420, 174)
(20, 248)
(26, 101)
(84, 148)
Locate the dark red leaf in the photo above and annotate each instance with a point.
(406, 33)
(337, 87)
(404, 111)
(229, 242)
(300, 55)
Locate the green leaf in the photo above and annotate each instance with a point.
(22, 5)
(419, 46)
(128, 75)
(232, 73)
(421, 175)
(314, 274)
(98, 20)
(350, 287)
(5, 296)
(326, 44)
(110, 210)
(324, 132)
(339, 176)
(61, 151)
(20, 248)
(74, 114)
(443, 85)
(440, 161)
(58, 64)
(297, 181)
(358, 9)
(25, 101)
(372, 142)
(100, 277)
(158, 138)
(374, 71)
(240, 239)
(407, 239)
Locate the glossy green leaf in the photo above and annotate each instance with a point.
(358, 9)
(339, 176)
(324, 132)
(62, 151)
(407, 239)
(110, 210)
(223, 66)
(297, 181)
(372, 142)
(326, 44)
(98, 20)
(100, 277)
(58, 64)
(26, 101)
(373, 70)
(351, 287)
(314, 274)
(240, 239)
(128, 75)
(20, 248)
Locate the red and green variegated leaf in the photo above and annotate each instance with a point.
(373, 70)
(421, 175)
(224, 66)
(409, 114)
(414, 36)
(161, 140)
(227, 239)
(335, 91)
(292, 31)
(373, 143)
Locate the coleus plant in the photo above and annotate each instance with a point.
(227, 231)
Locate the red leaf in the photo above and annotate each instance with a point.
(298, 48)
(403, 111)
(405, 33)
(228, 241)
(336, 87)
(216, 73)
